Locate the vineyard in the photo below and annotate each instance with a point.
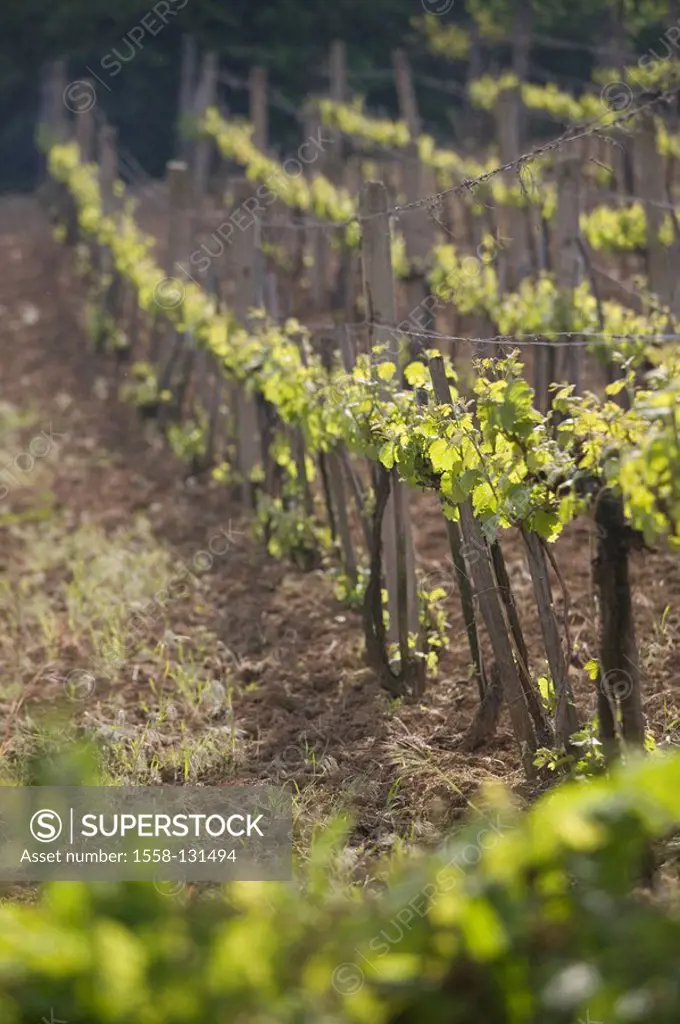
(410, 411)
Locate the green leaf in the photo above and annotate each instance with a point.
(416, 375)
(462, 485)
(386, 371)
(615, 387)
(386, 454)
(451, 512)
(484, 499)
(546, 689)
(442, 456)
(544, 523)
(592, 667)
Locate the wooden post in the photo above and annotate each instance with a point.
(419, 236)
(169, 291)
(408, 112)
(348, 359)
(85, 128)
(56, 110)
(376, 261)
(269, 419)
(348, 286)
(467, 604)
(408, 105)
(521, 53)
(213, 403)
(474, 119)
(417, 224)
(619, 683)
(352, 179)
(298, 440)
(566, 719)
(283, 237)
(337, 486)
(206, 96)
(317, 242)
(512, 221)
(662, 267)
(108, 173)
(42, 137)
(567, 257)
(272, 303)
(46, 73)
(179, 227)
(187, 80)
(486, 592)
(621, 153)
(247, 296)
(259, 109)
(542, 726)
(332, 163)
(108, 165)
(331, 466)
(52, 129)
(337, 73)
(397, 541)
(541, 358)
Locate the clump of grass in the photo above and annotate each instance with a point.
(89, 619)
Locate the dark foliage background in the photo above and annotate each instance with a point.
(290, 37)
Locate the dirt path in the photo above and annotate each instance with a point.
(246, 668)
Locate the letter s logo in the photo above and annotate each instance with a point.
(46, 826)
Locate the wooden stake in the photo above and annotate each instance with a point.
(521, 53)
(619, 684)
(399, 565)
(419, 236)
(544, 732)
(187, 85)
(566, 719)
(206, 96)
(55, 107)
(337, 483)
(337, 73)
(408, 105)
(489, 603)
(108, 165)
(214, 388)
(661, 260)
(316, 238)
(170, 290)
(247, 296)
(567, 255)
(467, 603)
(85, 127)
(512, 222)
(259, 108)
(108, 173)
(179, 226)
